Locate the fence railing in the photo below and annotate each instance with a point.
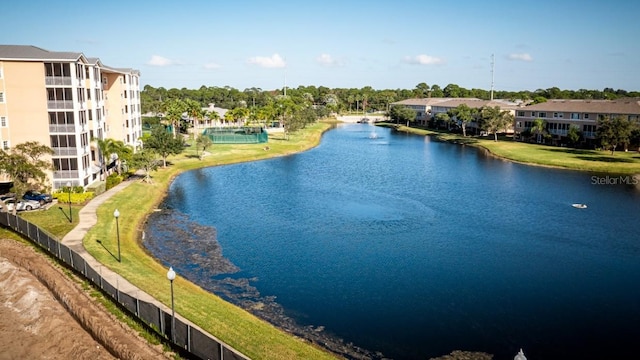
(195, 342)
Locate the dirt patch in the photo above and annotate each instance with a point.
(45, 314)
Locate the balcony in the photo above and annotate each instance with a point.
(60, 104)
(64, 151)
(68, 128)
(66, 174)
(58, 80)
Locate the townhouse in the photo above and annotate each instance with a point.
(560, 115)
(64, 100)
(427, 108)
(422, 107)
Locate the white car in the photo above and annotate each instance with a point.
(21, 205)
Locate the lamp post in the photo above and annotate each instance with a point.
(70, 213)
(171, 275)
(116, 214)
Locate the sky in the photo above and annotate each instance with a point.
(569, 44)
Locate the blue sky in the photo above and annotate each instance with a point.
(347, 44)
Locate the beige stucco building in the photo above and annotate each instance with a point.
(560, 115)
(64, 100)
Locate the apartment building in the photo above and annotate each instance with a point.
(422, 107)
(64, 100)
(560, 115)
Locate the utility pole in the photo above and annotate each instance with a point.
(493, 64)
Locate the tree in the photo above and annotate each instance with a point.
(203, 141)
(146, 161)
(164, 143)
(495, 120)
(442, 118)
(573, 134)
(402, 114)
(538, 128)
(614, 131)
(463, 114)
(194, 111)
(213, 115)
(25, 166)
(110, 147)
(173, 110)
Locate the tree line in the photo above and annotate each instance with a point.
(353, 99)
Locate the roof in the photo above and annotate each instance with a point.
(420, 101)
(34, 53)
(477, 103)
(618, 106)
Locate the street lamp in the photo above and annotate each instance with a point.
(171, 275)
(116, 214)
(70, 213)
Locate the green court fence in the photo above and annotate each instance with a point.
(237, 135)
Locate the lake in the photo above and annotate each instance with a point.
(414, 248)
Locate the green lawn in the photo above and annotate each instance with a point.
(543, 155)
(233, 325)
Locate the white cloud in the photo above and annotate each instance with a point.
(423, 59)
(328, 60)
(274, 61)
(211, 66)
(157, 60)
(520, 57)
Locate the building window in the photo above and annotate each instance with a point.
(586, 116)
(1, 97)
(557, 115)
(520, 113)
(575, 116)
(533, 114)
(3, 121)
(5, 144)
(542, 115)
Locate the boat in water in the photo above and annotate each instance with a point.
(579, 206)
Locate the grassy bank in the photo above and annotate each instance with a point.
(542, 155)
(238, 328)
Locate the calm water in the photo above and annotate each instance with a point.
(416, 248)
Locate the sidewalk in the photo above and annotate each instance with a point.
(87, 218)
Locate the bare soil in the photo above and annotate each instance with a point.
(45, 314)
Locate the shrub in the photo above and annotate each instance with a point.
(113, 180)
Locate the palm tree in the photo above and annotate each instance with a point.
(538, 127)
(213, 115)
(194, 111)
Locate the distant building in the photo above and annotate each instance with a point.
(64, 100)
(560, 115)
(421, 106)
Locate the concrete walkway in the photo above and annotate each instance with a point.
(87, 218)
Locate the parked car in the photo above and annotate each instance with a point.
(37, 196)
(21, 205)
(6, 196)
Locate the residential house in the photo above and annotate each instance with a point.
(64, 100)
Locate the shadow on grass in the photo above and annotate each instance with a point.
(68, 216)
(110, 253)
(572, 151)
(606, 159)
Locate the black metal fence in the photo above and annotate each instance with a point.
(200, 345)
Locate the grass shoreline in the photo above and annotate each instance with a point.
(235, 326)
(595, 161)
